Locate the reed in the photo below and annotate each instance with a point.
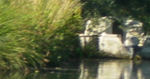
(30, 29)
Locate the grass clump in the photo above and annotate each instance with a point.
(32, 31)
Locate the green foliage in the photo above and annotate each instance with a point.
(94, 8)
(133, 9)
(29, 35)
(12, 75)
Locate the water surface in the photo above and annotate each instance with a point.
(92, 69)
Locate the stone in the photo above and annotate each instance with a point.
(129, 23)
(95, 26)
(131, 41)
(105, 35)
(111, 44)
(132, 28)
(131, 45)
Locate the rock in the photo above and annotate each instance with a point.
(105, 35)
(132, 28)
(111, 44)
(95, 26)
(131, 41)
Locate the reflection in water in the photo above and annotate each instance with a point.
(115, 69)
(90, 69)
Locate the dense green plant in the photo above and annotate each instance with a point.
(133, 9)
(32, 31)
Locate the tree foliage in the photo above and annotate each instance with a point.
(133, 9)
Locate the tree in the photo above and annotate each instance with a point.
(133, 9)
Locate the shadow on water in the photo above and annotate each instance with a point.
(90, 69)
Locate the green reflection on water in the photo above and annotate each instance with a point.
(88, 69)
(41, 75)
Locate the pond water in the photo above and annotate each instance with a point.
(91, 69)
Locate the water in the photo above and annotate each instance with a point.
(91, 69)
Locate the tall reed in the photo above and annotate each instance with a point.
(29, 28)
